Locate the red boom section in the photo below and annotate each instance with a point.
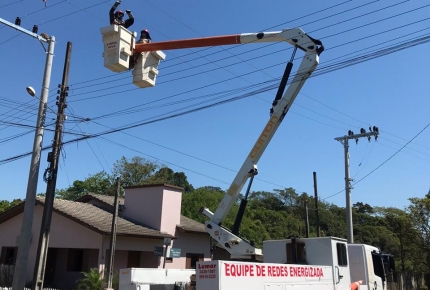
(188, 43)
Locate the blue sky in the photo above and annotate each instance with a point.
(210, 145)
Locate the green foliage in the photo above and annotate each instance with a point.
(92, 280)
(134, 171)
(278, 214)
(99, 183)
(5, 205)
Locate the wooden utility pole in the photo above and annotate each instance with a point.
(317, 215)
(113, 236)
(50, 176)
(307, 219)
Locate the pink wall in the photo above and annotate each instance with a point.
(144, 205)
(64, 234)
(171, 210)
(158, 207)
(189, 243)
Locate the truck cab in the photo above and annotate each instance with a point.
(370, 266)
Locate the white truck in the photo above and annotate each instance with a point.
(296, 263)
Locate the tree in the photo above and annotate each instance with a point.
(399, 222)
(99, 183)
(5, 205)
(167, 175)
(419, 211)
(136, 171)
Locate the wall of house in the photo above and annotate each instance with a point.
(144, 205)
(65, 233)
(158, 207)
(64, 278)
(171, 210)
(189, 243)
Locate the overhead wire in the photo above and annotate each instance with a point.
(383, 163)
(337, 46)
(138, 124)
(263, 46)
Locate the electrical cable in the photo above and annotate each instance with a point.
(383, 163)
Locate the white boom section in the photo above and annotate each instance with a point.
(295, 37)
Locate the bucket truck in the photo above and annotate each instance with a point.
(295, 263)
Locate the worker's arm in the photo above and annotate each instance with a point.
(112, 11)
(129, 22)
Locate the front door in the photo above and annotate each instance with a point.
(342, 277)
(50, 267)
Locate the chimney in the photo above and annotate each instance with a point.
(157, 206)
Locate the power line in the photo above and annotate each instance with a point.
(383, 163)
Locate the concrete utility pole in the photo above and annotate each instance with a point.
(20, 271)
(50, 176)
(344, 140)
(113, 237)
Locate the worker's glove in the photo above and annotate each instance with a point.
(128, 11)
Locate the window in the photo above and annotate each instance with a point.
(133, 260)
(378, 265)
(75, 259)
(192, 260)
(300, 253)
(342, 259)
(8, 255)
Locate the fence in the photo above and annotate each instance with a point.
(409, 281)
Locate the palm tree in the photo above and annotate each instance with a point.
(92, 280)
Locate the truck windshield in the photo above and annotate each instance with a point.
(378, 265)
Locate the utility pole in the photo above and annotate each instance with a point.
(306, 219)
(317, 215)
(20, 271)
(344, 140)
(113, 237)
(50, 176)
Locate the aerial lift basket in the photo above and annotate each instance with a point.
(118, 44)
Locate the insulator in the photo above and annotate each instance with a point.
(362, 131)
(66, 94)
(35, 29)
(370, 129)
(67, 88)
(18, 21)
(59, 86)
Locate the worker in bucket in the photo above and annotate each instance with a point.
(144, 38)
(117, 17)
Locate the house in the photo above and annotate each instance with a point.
(80, 233)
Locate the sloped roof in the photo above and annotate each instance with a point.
(190, 225)
(91, 217)
(186, 224)
(101, 220)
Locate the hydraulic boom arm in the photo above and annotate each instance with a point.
(312, 48)
(282, 103)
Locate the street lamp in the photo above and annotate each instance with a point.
(22, 259)
(32, 93)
